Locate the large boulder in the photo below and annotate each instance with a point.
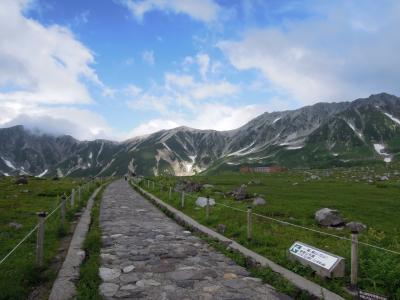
(188, 187)
(202, 202)
(240, 193)
(22, 180)
(259, 201)
(329, 217)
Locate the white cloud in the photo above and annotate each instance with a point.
(203, 60)
(215, 90)
(209, 116)
(204, 10)
(148, 57)
(44, 71)
(350, 50)
(133, 90)
(79, 123)
(152, 126)
(181, 91)
(42, 64)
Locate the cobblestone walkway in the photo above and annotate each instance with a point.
(146, 255)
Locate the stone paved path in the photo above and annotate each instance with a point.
(146, 255)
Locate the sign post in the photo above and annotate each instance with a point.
(324, 263)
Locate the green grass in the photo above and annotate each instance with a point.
(293, 198)
(18, 274)
(89, 280)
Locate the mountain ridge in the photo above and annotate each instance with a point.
(324, 134)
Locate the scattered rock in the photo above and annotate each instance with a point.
(211, 288)
(208, 186)
(315, 177)
(383, 178)
(254, 182)
(108, 274)
(221, 228)
(188, 186)
(129, 287)
(108, 289)
(202, 202)
(129, 278)
(15, 225)
(147, 282)
(252, 279)
(240, 193)
(22, 180)
(329, 217)
(230, 276)
(259, 201)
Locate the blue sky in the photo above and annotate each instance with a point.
(121, 68)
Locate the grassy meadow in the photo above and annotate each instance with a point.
(359, 194)
(19, 204)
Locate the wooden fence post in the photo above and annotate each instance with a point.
(153, 185)
(63, 202)
(183, 200)
(40, 238)
(79, 195)
(170, 193)
(208, 208)
(148, 184)
(72, 199)
(354, 261)
(249, 223)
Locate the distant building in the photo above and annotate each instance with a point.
(271, 169)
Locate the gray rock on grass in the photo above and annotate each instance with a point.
(329, 217)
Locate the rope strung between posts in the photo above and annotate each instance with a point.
(310, 229)
(32, 231)
(59, 205)
(15, 248)
(305, 228)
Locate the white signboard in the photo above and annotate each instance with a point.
(313, 255)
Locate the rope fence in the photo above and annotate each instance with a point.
(62, 205)
(287, 223)
(180, 204)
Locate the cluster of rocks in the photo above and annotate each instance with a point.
(368, 175)
(328, 217)
(240, 193)
(188, 186)
(22, 180)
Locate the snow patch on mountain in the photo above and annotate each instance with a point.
(244, 151)
(379, 148)
(358, 133)
(8, 163)
(101, 150)
(393, 118)
(43, 173)
(276, 120)
(294, 147)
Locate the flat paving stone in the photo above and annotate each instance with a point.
(146, 255)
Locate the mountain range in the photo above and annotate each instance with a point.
(363, 131)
